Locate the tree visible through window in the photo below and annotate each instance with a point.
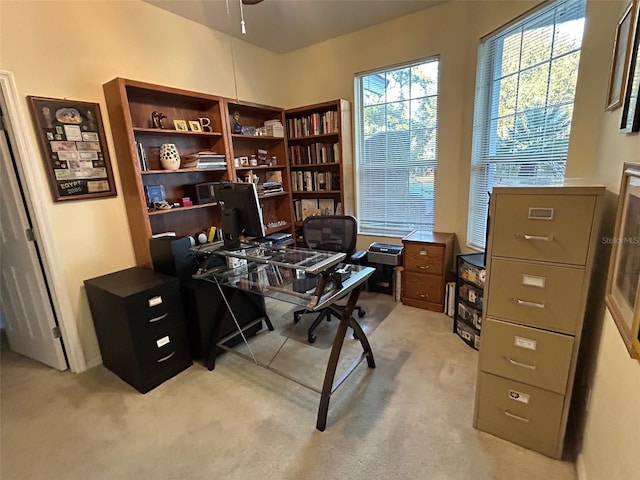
(525, 88)
(396, 148)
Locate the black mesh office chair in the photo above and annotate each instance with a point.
(336, 233)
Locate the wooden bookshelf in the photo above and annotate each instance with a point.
(320, 157)
(130, 105)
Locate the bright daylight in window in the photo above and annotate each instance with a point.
(525, 87)
(396, 148)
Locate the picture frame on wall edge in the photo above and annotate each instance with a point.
(630, 120)
(620, 58)
(623, 281)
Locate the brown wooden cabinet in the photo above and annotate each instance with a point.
(320, 158)
(428, 258)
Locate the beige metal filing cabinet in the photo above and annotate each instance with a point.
(539, 257)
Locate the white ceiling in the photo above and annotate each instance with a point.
(285, 25)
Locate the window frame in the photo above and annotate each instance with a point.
(359, 140)
(485, 136)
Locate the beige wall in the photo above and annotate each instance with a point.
(610, 444)
(136, 40)
(66, 49)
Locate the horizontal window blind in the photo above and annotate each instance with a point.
(396, 148)
(525, 87)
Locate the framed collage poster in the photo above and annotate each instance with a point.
(623, 282)
(74, 149)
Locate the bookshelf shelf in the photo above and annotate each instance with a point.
(181, 209)
(167, 131)
(182, 170)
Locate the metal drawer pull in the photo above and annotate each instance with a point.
(520, 364)
(422, 295)
(530, 304)
(547, 238)
(163, 359)
(517, 417)
(424, 267)
(157, 319)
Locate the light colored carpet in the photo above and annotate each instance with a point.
(410, 418)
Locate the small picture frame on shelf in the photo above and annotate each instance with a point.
(195, 126)
(180, 125)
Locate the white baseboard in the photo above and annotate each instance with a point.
(580, 468)
(94, 362)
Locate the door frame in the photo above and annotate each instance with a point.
(23, 148)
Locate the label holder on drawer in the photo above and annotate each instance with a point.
(540, 213)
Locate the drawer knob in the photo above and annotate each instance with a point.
(517, 417)
(164, 359)
(515, 363)
(529, 304)
(157, 319)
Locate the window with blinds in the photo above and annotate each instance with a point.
(396, 112)
(525, 86)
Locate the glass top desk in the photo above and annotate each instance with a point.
(312, 279)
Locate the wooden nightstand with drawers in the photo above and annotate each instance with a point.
(540, 254)
(428, 257)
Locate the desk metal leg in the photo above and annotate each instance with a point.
(346, 321)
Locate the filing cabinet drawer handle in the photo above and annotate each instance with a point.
(423, 267)
(541, 238)
(423, 295)
(157, 319)
(529, 304)
(517, 417)
(520, 364)
(164, 359)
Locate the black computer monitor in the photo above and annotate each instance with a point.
(240, 211)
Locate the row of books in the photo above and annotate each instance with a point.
(313, 124)
(306, 207)
(314, 153)
(312, 181)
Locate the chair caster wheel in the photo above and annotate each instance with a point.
(311, 337)
(361, 313)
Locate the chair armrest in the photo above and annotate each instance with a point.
(358, 257)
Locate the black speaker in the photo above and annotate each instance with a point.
(171, 256)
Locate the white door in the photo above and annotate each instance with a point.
(24, 298)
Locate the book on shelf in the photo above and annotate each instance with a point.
(142, 157)
(274, 176)
(308, 181)
(327, 206)
(278, 238)
(310, 207)
(297, 210)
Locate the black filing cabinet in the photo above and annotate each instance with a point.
(139, 322)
